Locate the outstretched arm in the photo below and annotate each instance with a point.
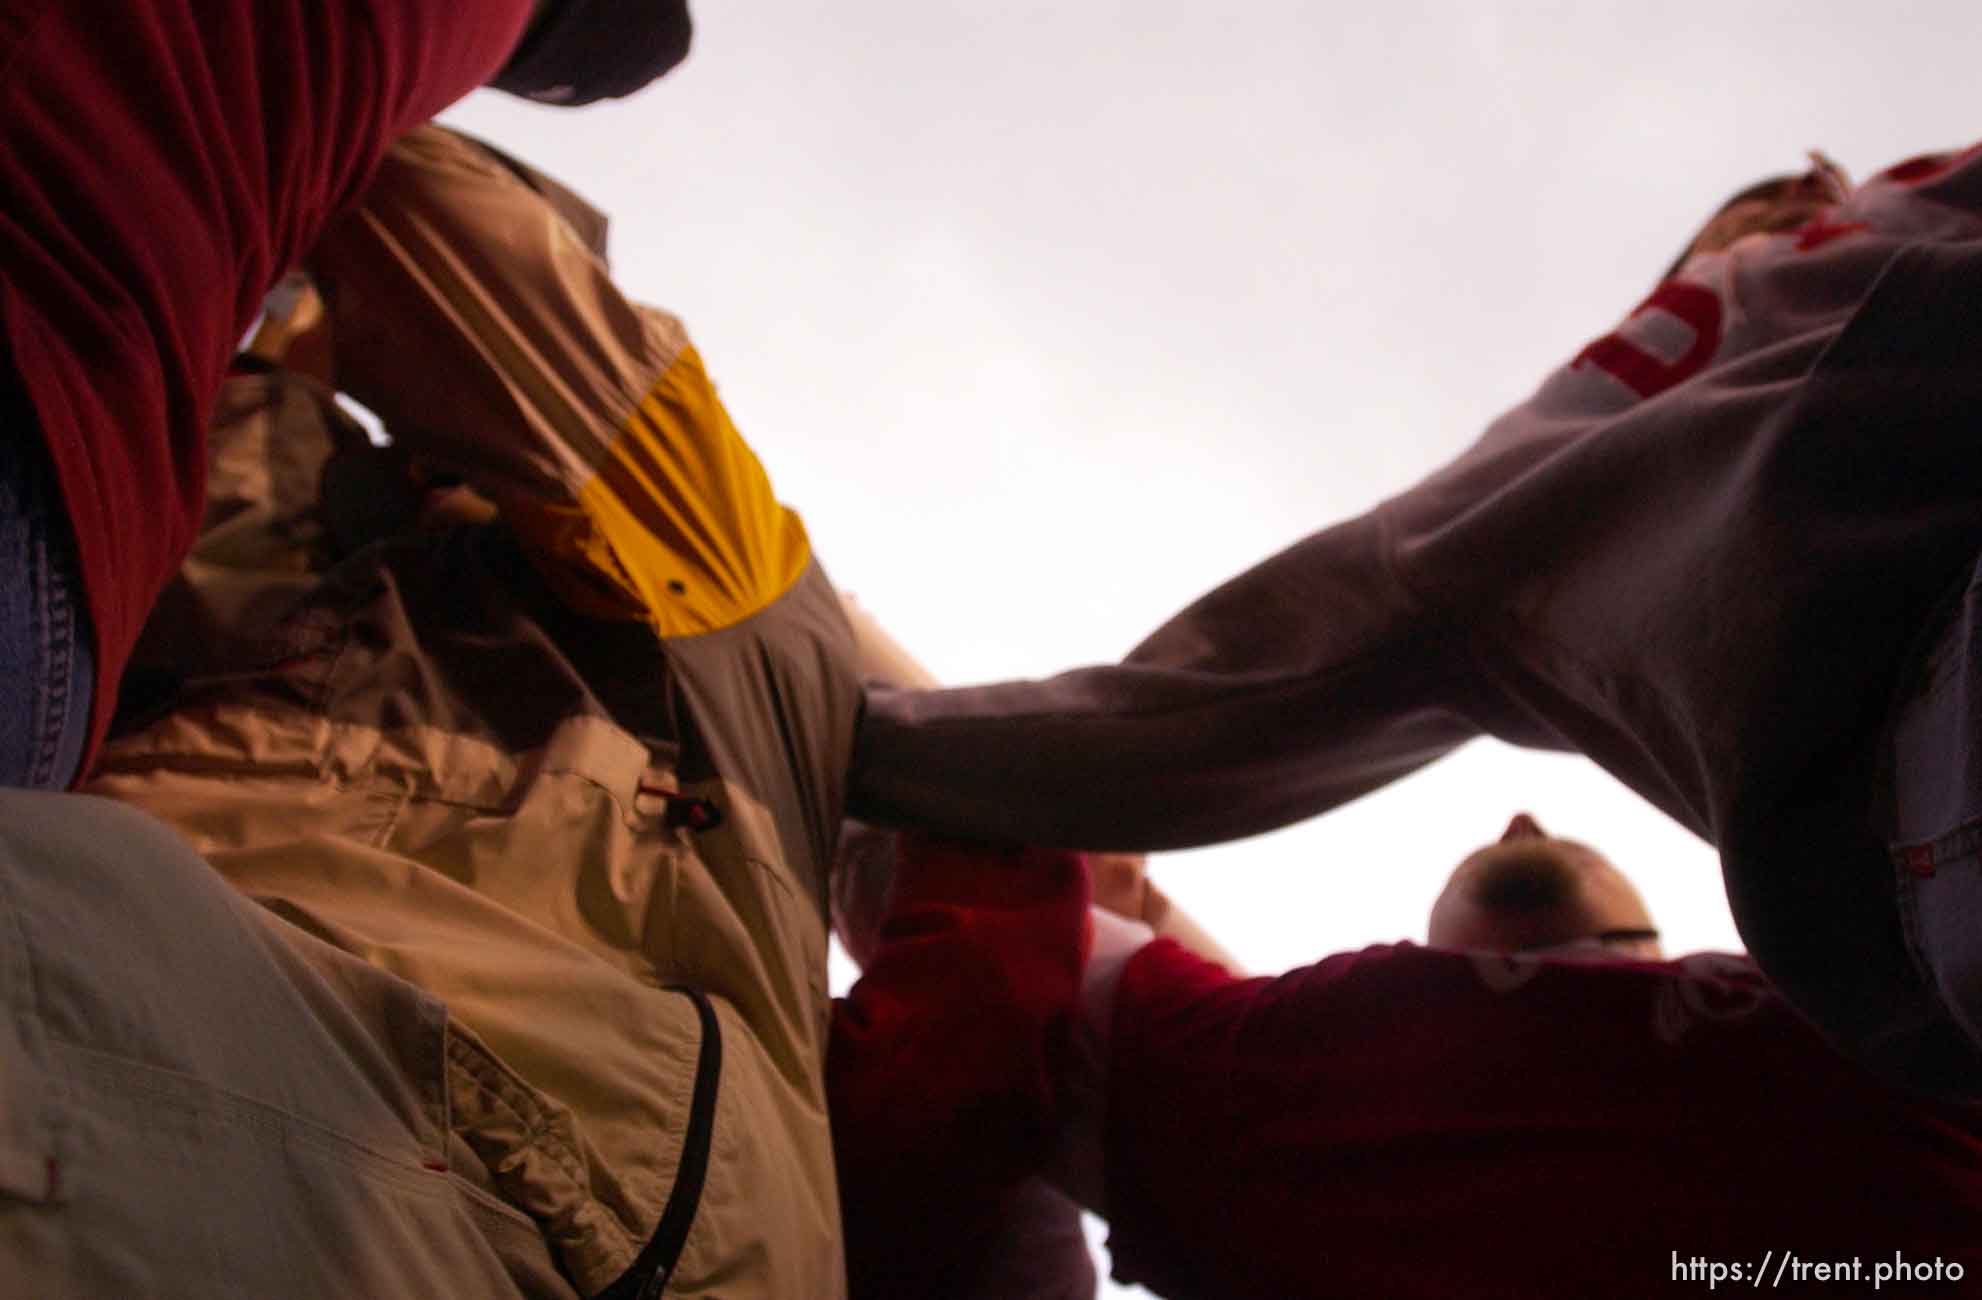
(1299, 685)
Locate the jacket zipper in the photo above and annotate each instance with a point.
(656, 1262)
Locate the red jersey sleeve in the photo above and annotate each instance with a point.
(948, 1056)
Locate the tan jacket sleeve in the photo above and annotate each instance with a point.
(587, 418)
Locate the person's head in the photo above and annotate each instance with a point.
(1786, 202)
(1532, 892)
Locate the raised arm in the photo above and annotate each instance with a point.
(476, 315)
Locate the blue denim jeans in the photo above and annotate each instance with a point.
(1936, 831)
(47, 660)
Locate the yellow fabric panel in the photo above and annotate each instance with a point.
(569, 547)
(679, 524)
(493, 341)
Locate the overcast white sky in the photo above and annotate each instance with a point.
(1048, 317)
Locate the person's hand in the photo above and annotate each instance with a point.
(861, 886)
(1120, 885)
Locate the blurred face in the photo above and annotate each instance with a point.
(1780, 203)
(1531, 892)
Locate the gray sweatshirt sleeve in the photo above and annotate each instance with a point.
(1309, 680)
(1768, 462)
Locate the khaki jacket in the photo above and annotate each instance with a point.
(576, 774)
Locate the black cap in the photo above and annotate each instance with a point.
(578, 51)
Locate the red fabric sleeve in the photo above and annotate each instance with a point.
(943, 1069)
(161, 165)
